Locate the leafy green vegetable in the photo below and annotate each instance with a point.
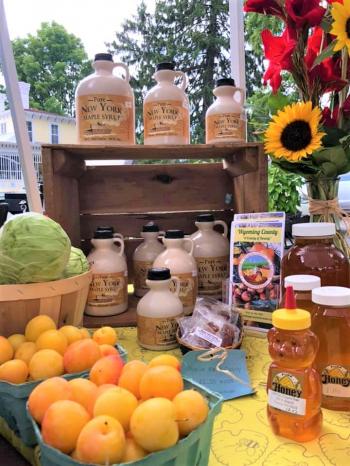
(33, 248)
(77, 263)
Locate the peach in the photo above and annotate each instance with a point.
(153, 424)
(71, 333)
(131, 376)
(6, 350)
(25, 351)
(107, 370)
(165, 360)
(107, 350)
(46, 363)
(101, 441)
(118, 403)
(62, 424)
(161, 381)
(81, 356)
(45, 394)
(16, 339)
(105, 336)
(85, 332)
(133, 451)
(52, 339)
(37, 326)
(84, 392)
(191, 410)
(14, 371)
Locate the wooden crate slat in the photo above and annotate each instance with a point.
(135, 188)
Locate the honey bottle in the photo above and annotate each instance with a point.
(144, 256)
(166, 113)
(158, 310)
(182, 265)
(293, 385)
(331, 323)
(105, 105)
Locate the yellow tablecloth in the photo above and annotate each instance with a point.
(242, 435)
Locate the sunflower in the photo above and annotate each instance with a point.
(293, 133)
(341, 24)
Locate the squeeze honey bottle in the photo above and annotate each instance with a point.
(293, 385)
(331, 323)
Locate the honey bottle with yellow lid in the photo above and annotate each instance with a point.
(166, 114)
(105, 105)
(293, 385)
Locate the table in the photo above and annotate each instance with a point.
(242, 436)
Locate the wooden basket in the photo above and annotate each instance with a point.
(63, 300)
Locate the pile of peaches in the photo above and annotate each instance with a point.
(45, 351)
(121, 413)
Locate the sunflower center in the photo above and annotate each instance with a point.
(347, 28)
(296, 135)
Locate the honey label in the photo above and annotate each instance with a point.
(225, 125)
(166, 118)
(156, 331)
(188, 288)
(108, 289)
(105, 118)
(140, 274)
(336, 381)
(212, 271)
(286, 393)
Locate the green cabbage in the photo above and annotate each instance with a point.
(33, 248)
(77, 263)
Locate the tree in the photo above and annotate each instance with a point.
(193, 34)
(52, 62)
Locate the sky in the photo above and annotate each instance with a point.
(94, 22)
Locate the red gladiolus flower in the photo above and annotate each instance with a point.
(335, 1)
(266, 7)
(278, 50)
(329, 118)
(304, 12)
(346, 107)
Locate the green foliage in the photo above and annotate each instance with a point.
(283, 192)
(52, 62)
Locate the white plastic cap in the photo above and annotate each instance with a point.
(302, 282)
(313, 229)
(331, 296)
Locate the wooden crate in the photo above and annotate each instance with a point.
(81, 195)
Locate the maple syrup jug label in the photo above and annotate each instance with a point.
(157, 331)
(140, 274)
(165, 118)
(188, 288)
(108, 289)
(225, 125)
(105, 118)
(212, 271)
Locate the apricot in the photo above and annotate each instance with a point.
(6, 350)
(131, 376)
(103, 388)
(46, 363)
(161, 381)
(84, 392)
(153, 424)
(25, 351)
(81, 356)
(107, 370)
(191, 410)
(105, 336)
(37, 326)
(132, 451)
(71, 333)
(16, 339)
(118, 403)
(101, 441)
(52, 339)
(14, 371)
(45, 394)
(107, 350)
(62, 424)
(85, 332)
(165, 360)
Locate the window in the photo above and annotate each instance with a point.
(30, 130)
(2, 128)
(54, 134)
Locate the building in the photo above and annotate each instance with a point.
(43, 127)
